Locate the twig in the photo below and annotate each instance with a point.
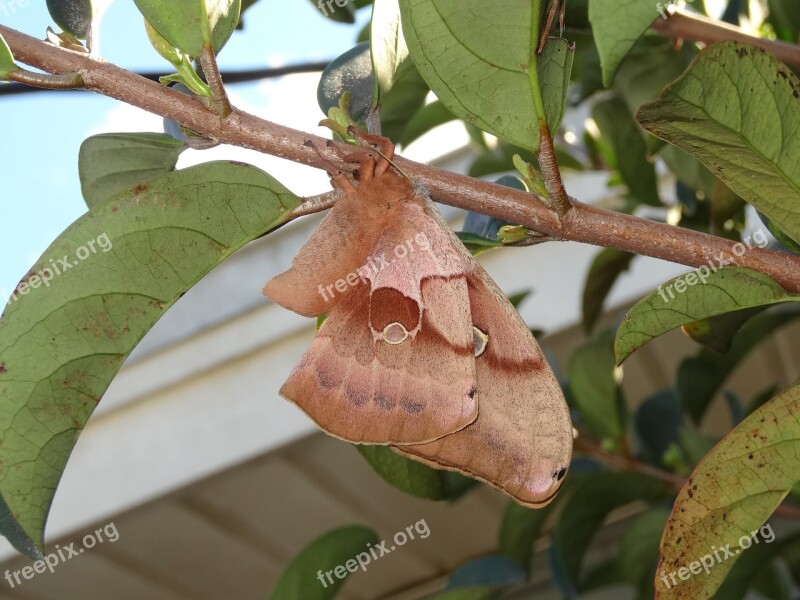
(627, 464)
(695, 27)
(583, 223)
(548, 26)
(47, 81)
(788, 511)
(315, 204)
(229, 77)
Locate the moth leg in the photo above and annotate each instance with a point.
(338, 178)
(342, 182)
(383, 145)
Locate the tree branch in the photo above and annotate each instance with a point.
(583, 223)
(676, 482)
(695, 27)
(230, 77)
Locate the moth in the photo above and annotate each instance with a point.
(421, 350)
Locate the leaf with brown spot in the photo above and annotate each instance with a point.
(731, 493)
(62, 344)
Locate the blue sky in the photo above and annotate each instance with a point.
(41, 133)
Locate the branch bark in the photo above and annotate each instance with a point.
(695, 27)
(583, 223)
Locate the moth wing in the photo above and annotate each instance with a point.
(521, 442)
(416, 247)
(337, 248)
(365, 390)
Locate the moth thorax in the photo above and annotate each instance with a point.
(480, 341)
(395, 333)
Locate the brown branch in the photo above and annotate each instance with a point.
(583, 223)
(695, 27)
(622, 463)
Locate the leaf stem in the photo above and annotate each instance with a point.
(558, 199)
(208, 61)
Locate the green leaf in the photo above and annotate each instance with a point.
(406, 475)
(306, 575)
(682, 301)
(756, 570)
(595, 391)
(617, 26)
(7, 64)
(520, 528)
(15, 534)
(657, 424)
(630, 150)
(689, 170)
(494, 569)
(501, 159)
(638, 553)
(113, 162)
(63, 341)
(651, 65)
(475, 56)
(406, 97)
(782, 238)
(731, 493)
(700, 377)
(425, 119)
(186, 75)
(594, 498)
(482, 592)
(736, 109)
(334, 12)
(389, 50)
(180, 22)
(73, 16)
(785, 18)
(718, 332)
(477, 244)
(606, 268)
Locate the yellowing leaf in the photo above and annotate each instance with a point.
(729, 496)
